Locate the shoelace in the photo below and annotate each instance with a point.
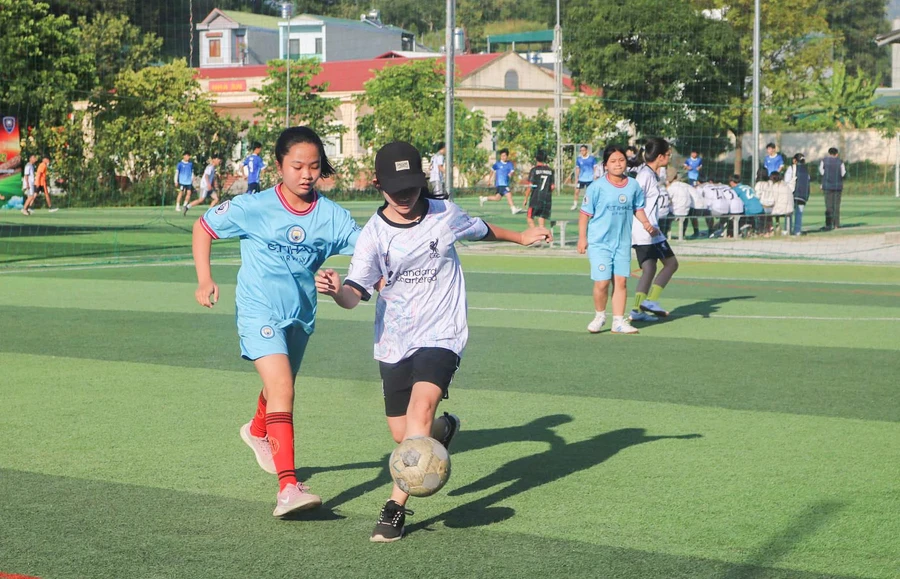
(396, 516)
(302, 486)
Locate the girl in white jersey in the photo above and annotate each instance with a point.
(650, 248)
(420, 317)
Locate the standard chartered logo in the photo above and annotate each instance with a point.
(418, 275)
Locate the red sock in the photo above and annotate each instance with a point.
(258, 424)
(280, 426)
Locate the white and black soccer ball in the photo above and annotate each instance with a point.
(420, 466)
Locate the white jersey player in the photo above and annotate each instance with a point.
(407, 250)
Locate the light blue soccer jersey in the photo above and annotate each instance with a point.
(773, 163)
(185, 172)
(254, 164)
(585, 167)
(693, 166)
(281, 250)
(503, 169)
(611, 210)
(752, 205)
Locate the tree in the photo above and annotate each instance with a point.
(42, 64)
(842, 101)
(857, 22)
(660, 63)
(587, 121)
(406, 102)
(308, 106)
(525, 136)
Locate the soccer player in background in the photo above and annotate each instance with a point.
(254, 166)
(184, 180)
(753, 209)
(604, 231)
(207, 184)
(28, 185)
(286, 233)
(40, 186)
(651, 246)
(438, 171)
(501, 172)
(774, 161)
(421, 325)
(693, 165)
(584, 173)
(540, 181)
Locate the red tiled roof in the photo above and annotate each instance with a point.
(350, 75)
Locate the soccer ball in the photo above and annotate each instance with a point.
(420, 466)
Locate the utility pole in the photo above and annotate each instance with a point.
(287, 11)
(449, 79)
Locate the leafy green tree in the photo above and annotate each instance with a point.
(857, 22)
(587, 121)
(42, 66)
(842, 101)
(308, 106)
(660, 63)
(157, 114)
(406, 102)
(525, 136)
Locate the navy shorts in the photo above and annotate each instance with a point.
(434, 365)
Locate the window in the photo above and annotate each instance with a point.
(318, 46)
(511, 80)
(293, 47)
(215, 48)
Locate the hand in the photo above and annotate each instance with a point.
(534, 235)
(205, 289)
(582, 245)
(328, 282)
(653, 231)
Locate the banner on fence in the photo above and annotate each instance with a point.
(10, 157)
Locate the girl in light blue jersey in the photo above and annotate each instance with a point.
(604, 233)
(286, 233)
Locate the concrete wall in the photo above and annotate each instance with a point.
(854, 146)
(352, 43)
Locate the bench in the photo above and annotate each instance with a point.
(735, 218)
(562, 231)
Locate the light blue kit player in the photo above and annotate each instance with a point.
(584, 169)
(500, 178)
(286, 233)
(604, 231)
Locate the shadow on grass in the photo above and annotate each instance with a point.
(704, 308)
(781, 544)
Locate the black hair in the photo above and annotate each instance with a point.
(501, 151)
(654, 147)
(770, 145)
(613, 148)
(255, 145)
(801, 160)
(541, 156)
(185, 153)
(583, 147)
(762, 174)
(296, 135)
(439, 146)
(735, 178)
(832, 151)
(775, 177)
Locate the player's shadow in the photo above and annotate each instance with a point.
(530, 472)
(538, 430)
(704, 308)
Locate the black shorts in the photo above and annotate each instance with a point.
(661, 250)
(38, 188)
(187, 188)
(253, 187)
(584, 184)
(435, 365)
(539, 206)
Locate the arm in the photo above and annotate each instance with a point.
(201, 247)
(328, 282)
(527, 237)
(582, 231)
(648, 227)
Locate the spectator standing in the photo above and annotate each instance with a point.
(801, 190)
(693, 165)
(28, 184)
(833, 171)
(437, 176)
(774, 161)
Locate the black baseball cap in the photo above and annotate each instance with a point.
(398, 166)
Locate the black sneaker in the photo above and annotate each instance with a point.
(450, 423)
(389, 527)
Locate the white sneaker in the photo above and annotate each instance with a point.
(515, 210)
(597, 323)
(654, 308)
(481, 200)
(624, 327)
(573, 207)
(637, 316)
(178, 208)
(25, 212)
(53, 210)
(261, 448)
(295, 498)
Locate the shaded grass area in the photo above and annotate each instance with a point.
(823, 381)
(99, 529)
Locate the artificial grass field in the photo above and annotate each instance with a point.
(754, 434)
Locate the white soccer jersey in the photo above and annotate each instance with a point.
(718, 198)
(423, 302)
(209, 174)
(680, 193)
(649, 182)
